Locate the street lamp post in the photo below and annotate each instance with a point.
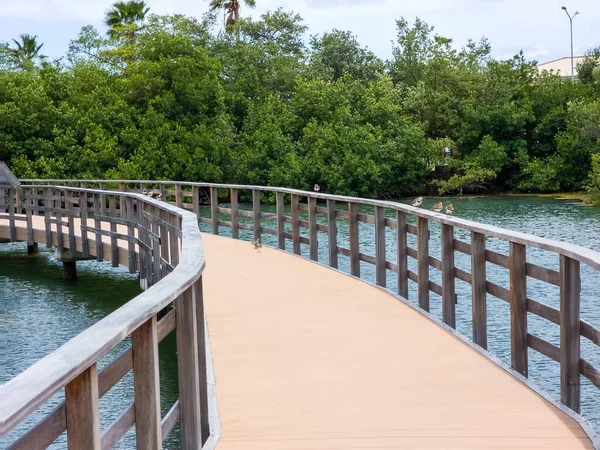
(571, 17)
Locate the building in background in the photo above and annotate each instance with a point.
(561, 66)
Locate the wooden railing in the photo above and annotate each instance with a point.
(163, 243)
(193, 196)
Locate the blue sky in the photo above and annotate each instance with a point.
(539, 27)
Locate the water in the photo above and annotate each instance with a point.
(39, 312)
(540, 216)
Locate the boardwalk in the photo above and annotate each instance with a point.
(308, 358)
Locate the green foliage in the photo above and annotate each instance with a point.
(163, 97)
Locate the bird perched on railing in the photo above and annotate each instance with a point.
(417, 202)
(151, 194)
(257, 245)
(145, 192)
(450, 209)
(159, 197)
(438, 207)
(316, 188)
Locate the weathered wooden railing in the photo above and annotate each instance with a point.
(192, 196)
(163, 243)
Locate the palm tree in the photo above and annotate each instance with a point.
(126, 18)
(231, 9)
(27, 50)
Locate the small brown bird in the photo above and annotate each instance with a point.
(438, 207)
(450, 209)
(417, 202)
(257, 245)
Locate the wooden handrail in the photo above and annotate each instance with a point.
(176, 280)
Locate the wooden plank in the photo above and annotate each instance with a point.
(312, 229)
(545, 311)
(332, 233)
(11, 214)
(280, 222)
(146, 384)
(479, 289)
(366, 218)
(423, 262)
(178, 196)
(195, 200)
(497, 291)
(344, 251)
(45, 432)
(380, 248)
(368, 258)
(295, 224)
(119, 428)
(541, 273)
(411, 229)
(342, 214)
(29, 202)
(174, 240)
(47, 204)
(570, 330)
(462, 247)
(591, 373)
(448, 277)
(214, 210)
(354, 239)
(170, 419)
(83, 212)
(83, 412)
(497, 258)
(256, 213)
(517, 260)
(402, 254)
(114, 247)
(188, 371)
(235, 229)
(589, 332)
(543, 347)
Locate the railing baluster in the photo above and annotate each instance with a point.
(214, 210)
(195, 200)
(114, 248)
(69, 198)
(332, 233)
(478, 289)
(202, 365)
(83, 412)
(235, 220)
(98, 226)
(188, 370)
(58, 215)
(517, 262)
(423, 262)
(131, 233)
(295, 224)
(570, 329)
(354, 239)
(11, 214)
(256, 212)
(29, 212)
(380, 255)
(122, 212)
(402, 254)
(280, 222)
(83, 213)
(178, 199)
(448, 281)
(312, 229)
(146, 386)
(48, 203)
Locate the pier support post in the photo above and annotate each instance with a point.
(32, 250)
(70, 270)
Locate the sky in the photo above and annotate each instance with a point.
(539, 27)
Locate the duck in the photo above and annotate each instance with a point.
(417, 202)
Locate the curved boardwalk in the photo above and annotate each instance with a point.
(308, 358)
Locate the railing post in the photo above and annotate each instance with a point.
(83, 412)
(83, 213)
(354, 239)
(479, 289)
(332, 233)
(146, 386)
(517, 264)
(131, 234)
(11, 214)
(214, 210)
(312, 228)
(174, 241)
(235, 218)
(122, 212)
(380, 256)
(570, 324)
(114, 248)
(48, 203)
(188, 371)
(195, 200)
(256, 211)
(69, 206)
(423, 262)
(280, 222)
(29, 203)
(98, 226)
(59, 216)
(178, 199)
(402, 254)
(295, 224)
(448, 281)
(202, 365)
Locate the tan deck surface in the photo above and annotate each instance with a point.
(308, 358)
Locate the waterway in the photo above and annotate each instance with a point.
(39, 311)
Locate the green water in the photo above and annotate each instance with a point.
(39, 312)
